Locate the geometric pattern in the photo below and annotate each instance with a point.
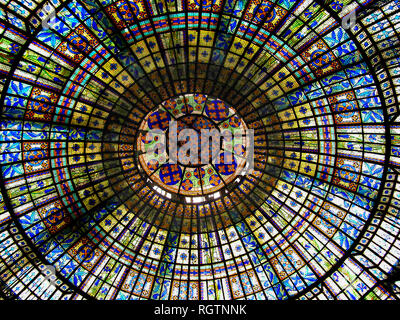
(316, 217)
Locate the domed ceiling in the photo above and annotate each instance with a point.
(308, 207)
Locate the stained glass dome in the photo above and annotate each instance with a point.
(91, 207)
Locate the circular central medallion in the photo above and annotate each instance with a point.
(193, 145)
(192, 128)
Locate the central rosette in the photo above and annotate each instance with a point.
(193, 145)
